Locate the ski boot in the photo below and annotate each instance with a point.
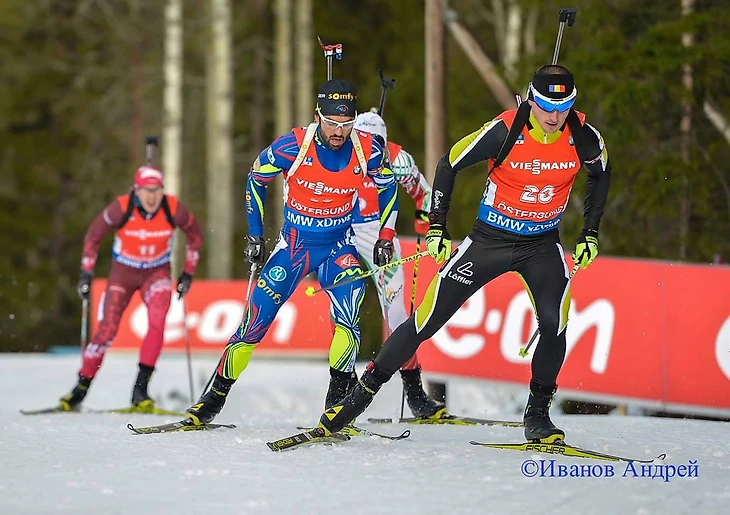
(140, 398)
(538, 426)
(356, 401)
(72, 401)
(340, 384)
(210, 404)
(421, 404)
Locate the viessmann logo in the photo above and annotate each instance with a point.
(536, 165)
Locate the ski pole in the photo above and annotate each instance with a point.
(523, 351)
(187, 350)
(251, 281)
(84, 323)
(150, 142)
(385, 85)
(310, 291)
(413, 303)
(330, 52)
(565, 15)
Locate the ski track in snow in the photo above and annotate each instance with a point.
(90, 463)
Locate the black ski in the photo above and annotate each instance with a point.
(131, 409)
(560, 447)
(316, 435)
(453, 420)
(183, 425)
(359, 431)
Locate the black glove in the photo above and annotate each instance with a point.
(84, 286)
(383, 252)
(256, 250)
(183, 284)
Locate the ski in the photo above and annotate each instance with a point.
(183, 425)
(453, 420)
(140, 410)
(131, 409)
(44, 411)
(359, 431)
(316, 435)
(560, 447)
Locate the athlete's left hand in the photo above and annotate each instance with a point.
(421, 224)
(383, 252)
(183, 284)
(586, 249)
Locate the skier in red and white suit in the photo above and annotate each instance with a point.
(144, 221)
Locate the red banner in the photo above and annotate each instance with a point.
(214, 310)
(648, 331)
(641, 330)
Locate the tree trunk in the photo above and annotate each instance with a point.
(283, 101)
(219, 143)
(261, 80)
(435, 87)
(480, 60)
(137, 77)
(304, 64)
(685, 129)
(512, 39)
(173, 107)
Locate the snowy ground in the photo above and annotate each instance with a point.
(89, 463)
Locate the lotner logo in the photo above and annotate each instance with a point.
(509, 326)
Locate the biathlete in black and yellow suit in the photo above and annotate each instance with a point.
(534, 153)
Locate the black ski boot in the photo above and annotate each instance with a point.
(210, 404)
(538, 425)
(357, 400)
(72, 401)
(421, 404)
(140, 397)
(340, 384)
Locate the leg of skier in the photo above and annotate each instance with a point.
(121, 284)
(420, 403)
(156, 293)
(546, 277)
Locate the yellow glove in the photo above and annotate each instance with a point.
(438, 242)
(586, 250)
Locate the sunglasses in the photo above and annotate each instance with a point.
(332, 124)
(550, 104)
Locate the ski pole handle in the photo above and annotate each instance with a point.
(150, 142)
(310, 291)
(330, 52)
(566, 15)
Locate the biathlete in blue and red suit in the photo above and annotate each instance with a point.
(144, 221)
(324, 167)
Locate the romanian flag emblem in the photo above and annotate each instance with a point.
(557, 88)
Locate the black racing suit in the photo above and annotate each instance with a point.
(508, 240)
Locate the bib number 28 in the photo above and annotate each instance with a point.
(533, 194)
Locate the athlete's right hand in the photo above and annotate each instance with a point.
(256, 250)
(438, 242)
(84, 286)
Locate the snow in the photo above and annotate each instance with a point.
(90, 463)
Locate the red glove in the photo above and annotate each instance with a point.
(421, 223)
